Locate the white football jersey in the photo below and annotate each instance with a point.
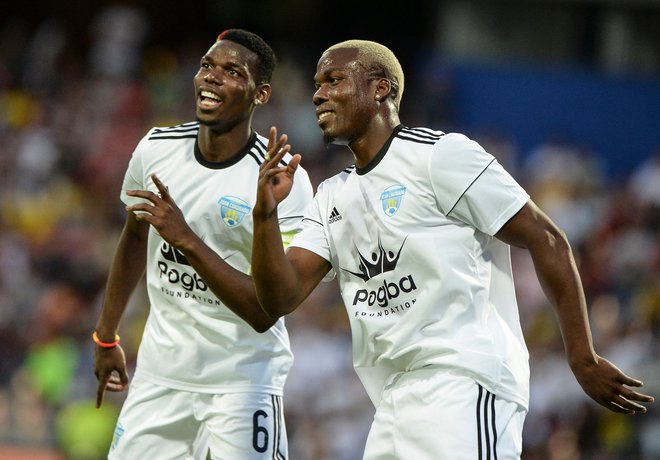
(191, 340)
(424, 281)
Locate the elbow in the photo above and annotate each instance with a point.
(275, 307)
(263, 326)
(265, 322)
(273, 312)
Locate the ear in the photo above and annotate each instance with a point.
(263, 94)
(383, 89)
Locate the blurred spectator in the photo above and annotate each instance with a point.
(645, 181)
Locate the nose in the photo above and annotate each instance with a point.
(211, 77)
(319, 96)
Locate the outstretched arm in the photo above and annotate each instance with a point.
(557, 272)
(125, 272)
(282, 280)
(234, 288)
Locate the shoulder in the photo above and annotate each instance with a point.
(456, 150)
(413, 146)
(182, 131)
(337, 181)
(419, 135)
(160, 142)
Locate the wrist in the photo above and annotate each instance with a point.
(264, 215)
(190, 245)
(106, 344)
(578, 360)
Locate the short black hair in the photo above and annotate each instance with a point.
(266, 61)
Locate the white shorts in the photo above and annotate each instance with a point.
(434, 414)
(158, 422)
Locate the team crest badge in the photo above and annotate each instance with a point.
(233, 210)
(119, 430)
(391, 198)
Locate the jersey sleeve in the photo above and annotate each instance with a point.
(134, 176)
(313, 236)
(472, 186)
(292, 209)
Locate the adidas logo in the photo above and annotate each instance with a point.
(334, 216)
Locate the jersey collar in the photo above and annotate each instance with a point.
(380, 155)
(227, 163)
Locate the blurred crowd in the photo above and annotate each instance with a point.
(69, 122)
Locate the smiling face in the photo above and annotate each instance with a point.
(225, 87)
(344, 96)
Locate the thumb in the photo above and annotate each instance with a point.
(123, 376)
(294, 163)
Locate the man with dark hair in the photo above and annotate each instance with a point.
(418, 234)
(211, 365)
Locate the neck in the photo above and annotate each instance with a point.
(367, 146)
(218, 143)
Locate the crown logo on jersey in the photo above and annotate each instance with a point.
(381, 262)
(233, 210)
(173, 254)
(391, 198)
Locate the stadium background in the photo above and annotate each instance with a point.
(565, 93)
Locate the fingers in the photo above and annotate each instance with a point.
(631, 395)
(115, 384)
(277, 148)
(623, 400)
(111, 382)
(617, 408)
(628, 406)
(272, 135)
(163, 191)
(274, 155)
(147, 195)
(144, 212)
(100, 389)
(162, 195)
(631, 382)
(155, 199)
(123, 377)
(293, 164)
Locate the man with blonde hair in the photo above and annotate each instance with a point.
(379, 62)
(418, 234)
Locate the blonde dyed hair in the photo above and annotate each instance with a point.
(379, 59)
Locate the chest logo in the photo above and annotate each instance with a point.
(334, 216)
(391, 199)
(233, 210)
(381, 261)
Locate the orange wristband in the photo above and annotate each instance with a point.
(97, 341)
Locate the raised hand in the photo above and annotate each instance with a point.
(163, 214)
(275, 179)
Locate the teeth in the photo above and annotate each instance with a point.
(210, 95)
(323, 115)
